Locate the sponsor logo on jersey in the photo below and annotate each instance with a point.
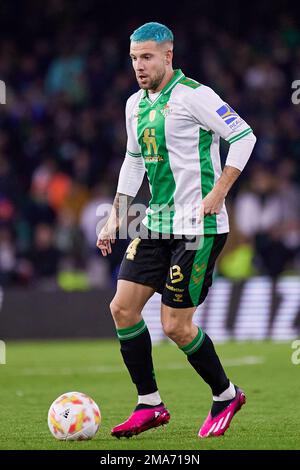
(149, 140)
(236, 124)
(153, 158)
(230, 117)
(227, 114)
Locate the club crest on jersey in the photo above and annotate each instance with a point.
(166, 110)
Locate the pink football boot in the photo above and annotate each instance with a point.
(220, 423)
(141, 420)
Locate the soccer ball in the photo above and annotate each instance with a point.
(74, 416)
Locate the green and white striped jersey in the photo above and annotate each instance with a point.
(177, 135)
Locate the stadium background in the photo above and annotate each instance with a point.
(62, 137)
(62, 141)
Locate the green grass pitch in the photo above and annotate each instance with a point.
(38, 372)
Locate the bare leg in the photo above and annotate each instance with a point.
(128, 303)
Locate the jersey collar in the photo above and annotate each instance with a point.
(178, 74)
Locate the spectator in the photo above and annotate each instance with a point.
(44, 257)
(7, 257)
(259, 215)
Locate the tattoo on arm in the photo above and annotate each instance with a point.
(121, 205)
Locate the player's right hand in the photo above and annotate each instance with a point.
(105, 238)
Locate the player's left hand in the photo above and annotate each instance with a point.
(212, 203)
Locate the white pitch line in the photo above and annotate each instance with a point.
(236, 362)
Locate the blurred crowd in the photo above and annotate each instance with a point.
(63, 139)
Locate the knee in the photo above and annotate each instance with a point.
(118, 311)
(177, 332)
(123, 317)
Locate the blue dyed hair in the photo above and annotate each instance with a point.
(152, 32)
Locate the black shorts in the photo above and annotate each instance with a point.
(183, 276)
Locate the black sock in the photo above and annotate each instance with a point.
(136, 349)
(202, 356)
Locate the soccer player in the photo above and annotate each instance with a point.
(174, 125)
